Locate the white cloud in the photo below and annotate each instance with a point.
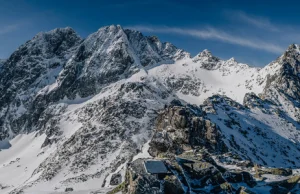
(215, 34)
(260, 22)
(8, 28)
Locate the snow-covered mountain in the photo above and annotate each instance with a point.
(74, 112)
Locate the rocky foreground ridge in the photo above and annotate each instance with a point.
(195, 151)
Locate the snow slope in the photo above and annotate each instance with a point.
(91, 106)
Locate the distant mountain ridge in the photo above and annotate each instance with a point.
(76, 110)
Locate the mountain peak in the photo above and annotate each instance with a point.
(111, 28)
(293, 46)
(205, 56)
(54, 39)
(64, 30)
(205, 53)
(232, 59)
(291, 55)
(292, 50)
(114, 27)
(153, 39)
(61, 31)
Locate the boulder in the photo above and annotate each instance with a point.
(288, 184)
(172, 185)
(244, 190)
(116, 179)
(69, 189)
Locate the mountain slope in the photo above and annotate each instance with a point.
(74, 111)
(58, 64)
(33, 66)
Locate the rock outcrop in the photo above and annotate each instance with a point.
(180, 128)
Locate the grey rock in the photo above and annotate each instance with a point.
(116, 179)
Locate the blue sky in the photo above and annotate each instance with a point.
(254, 32)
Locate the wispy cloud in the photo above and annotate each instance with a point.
(257, 21)
(8, 29)
(215, 34)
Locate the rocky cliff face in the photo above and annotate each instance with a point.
(180, 129)
(108, 55)
(283, 87)
(74, 112)
(32, 67)
(58, 64)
